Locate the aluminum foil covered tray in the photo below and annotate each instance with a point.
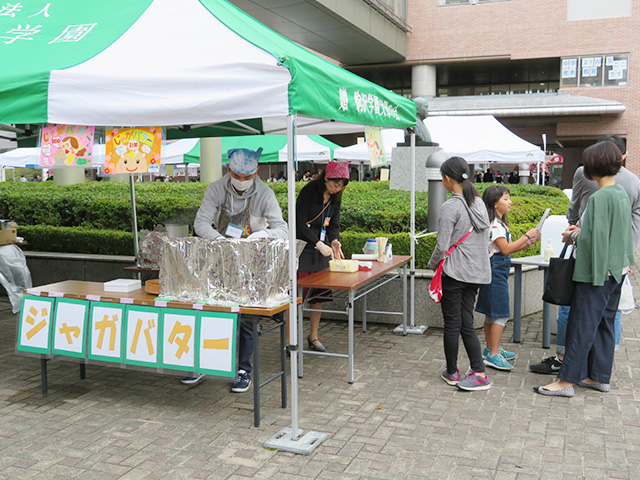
(226, 271)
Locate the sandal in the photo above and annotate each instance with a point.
(317, 347)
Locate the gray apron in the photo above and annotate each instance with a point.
(225, 218)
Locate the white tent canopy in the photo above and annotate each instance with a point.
(359, 153)
(30, 157)
(481, 139)
(308, 150)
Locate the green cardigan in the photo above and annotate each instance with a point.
(604, 244)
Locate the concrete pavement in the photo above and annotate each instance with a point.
(399, 420)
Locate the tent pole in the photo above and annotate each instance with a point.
(412, 246)
(293, 287)
(412, 235)
(292, 440)
(134, 215)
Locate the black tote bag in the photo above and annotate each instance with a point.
(560, 284)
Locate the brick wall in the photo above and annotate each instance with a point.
(527, 29)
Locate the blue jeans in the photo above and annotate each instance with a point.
(561, 335)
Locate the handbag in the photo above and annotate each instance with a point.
(560, 284)
(435, 287)
(627, 302)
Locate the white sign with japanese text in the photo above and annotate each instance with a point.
(35, 324)
(69, 327)
(178, 339)
(105, 331)
(142, 336)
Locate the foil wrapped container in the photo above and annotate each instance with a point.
(150, 249)
(226, 271)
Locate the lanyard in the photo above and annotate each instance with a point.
(229, 207)
(328, 205)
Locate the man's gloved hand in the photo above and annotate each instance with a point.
(258, 234)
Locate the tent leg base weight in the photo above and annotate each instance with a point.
(419, 330)
(305, 445)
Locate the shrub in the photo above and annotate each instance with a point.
(95, 217)
(77, 240)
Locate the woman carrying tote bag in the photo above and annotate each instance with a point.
(466, 268)
(603, 252)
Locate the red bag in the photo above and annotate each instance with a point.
(435, 287)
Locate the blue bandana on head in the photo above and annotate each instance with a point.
(243, 160)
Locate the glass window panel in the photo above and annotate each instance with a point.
(569, 71)
(591, 71)
(519, 88)
(499, 89)
(616, 68)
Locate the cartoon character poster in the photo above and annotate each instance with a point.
(375, 147)
(66, 145)
(133, 150)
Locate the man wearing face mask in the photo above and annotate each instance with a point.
(239, 205)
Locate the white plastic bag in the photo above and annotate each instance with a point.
(627, 302)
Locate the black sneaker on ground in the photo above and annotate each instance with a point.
(192, 379)
(242, 383)
(548, 366)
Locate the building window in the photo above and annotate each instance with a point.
(594, 71)
(467, 2)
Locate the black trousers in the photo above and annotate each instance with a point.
(245, 347)
(591, 338)
(458, 300)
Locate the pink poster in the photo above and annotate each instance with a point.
(66, 145)
(133, 150)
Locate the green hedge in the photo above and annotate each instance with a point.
(46, 238)
(95, 217)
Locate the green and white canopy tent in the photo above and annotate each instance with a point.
(167, 63)
(309, 148)
(197, 67)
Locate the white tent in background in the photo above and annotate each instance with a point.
(308, 150)
(481, 139)
(359, 153)
(173, 153)
(30, 157)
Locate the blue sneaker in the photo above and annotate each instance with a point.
(242, 383)
(506, 354)
(498, 362)
(474, 382)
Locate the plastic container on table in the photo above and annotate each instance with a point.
(552, 231)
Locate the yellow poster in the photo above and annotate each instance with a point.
(133, 150)
(375, 147)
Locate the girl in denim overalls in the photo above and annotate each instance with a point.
(493, 299)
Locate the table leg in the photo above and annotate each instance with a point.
(283, 362)
(300, 319)
(546, 316)
(404, 300)
(364, 314)
(517, 303)
(256, 371)
(43, 376)
(351, 333)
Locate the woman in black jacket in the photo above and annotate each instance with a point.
(318, 224)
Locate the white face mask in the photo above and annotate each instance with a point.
(241, 185)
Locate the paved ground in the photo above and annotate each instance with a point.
(398, 420)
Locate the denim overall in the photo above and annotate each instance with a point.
(493, 299)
